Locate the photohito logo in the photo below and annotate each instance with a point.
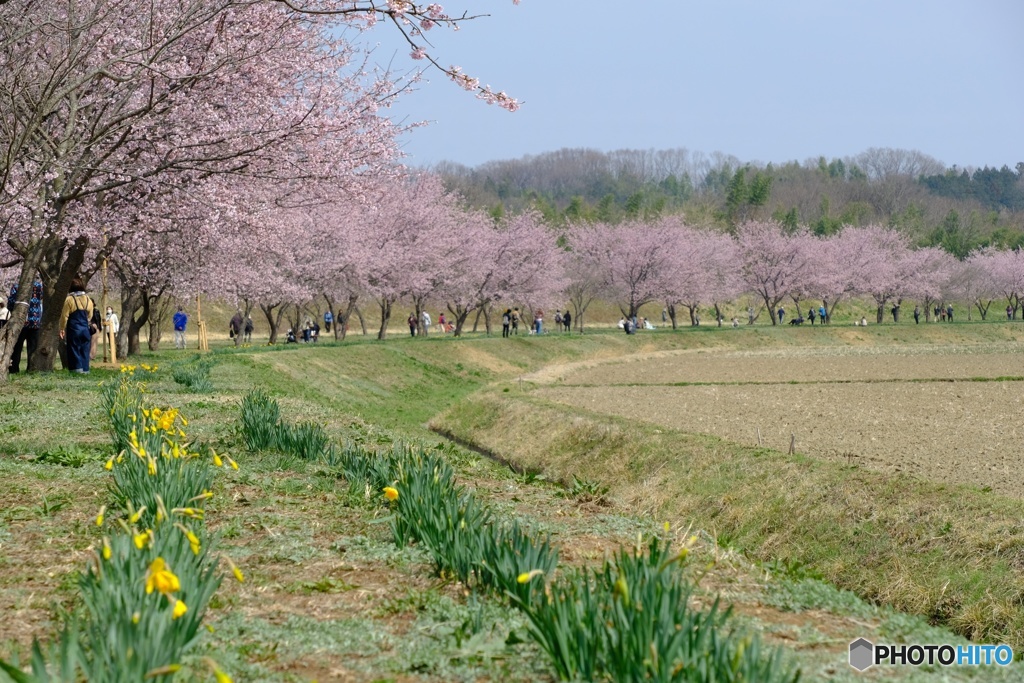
(864, 654)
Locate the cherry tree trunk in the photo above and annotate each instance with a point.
(133, 302)
(881, 313)
(672, 315)
(58, 269)
(273, 322)
(10, 332)
(460, 321)
(342, 322)
(362, 321)
(385, 315)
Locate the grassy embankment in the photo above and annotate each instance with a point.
(329, 596)
(954, 554)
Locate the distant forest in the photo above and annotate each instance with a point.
(958, 209)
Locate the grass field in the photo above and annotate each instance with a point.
(330, 597)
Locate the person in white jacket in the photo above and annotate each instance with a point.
(112, 321)
(426, 322)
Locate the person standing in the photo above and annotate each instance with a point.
(917, 315)
(1009, 312)
(328, 319)
(180, 321)
(236, 325)
(506, 322)
(95, 327)
(248, 329)
(75, 321)
(425, 327)
(567, 321)
(810, 315)
(949, 313)
(5, 314)
(413, 323)
(442, 323)
(29, 336)
(782, 314)
(822, 313)
(112, 321)
(538, 322)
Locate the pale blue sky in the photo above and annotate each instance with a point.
(764, 81)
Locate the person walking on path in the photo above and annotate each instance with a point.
(515, 321)
(248, 329)
(328, 319)
(75, 320)
(236, 325)
(180, 321)
(412, 324)
(29, 336)
(425, 326)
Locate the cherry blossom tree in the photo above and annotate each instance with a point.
(1007, 270)
(774, 264)
(513, 260)
(971, 281)
(630, 260)
(113, 100)
(703, 269)
(406, 236)
(928, 273)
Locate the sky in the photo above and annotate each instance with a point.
(763, 81)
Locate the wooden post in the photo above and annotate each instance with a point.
(111, 341)
(758, 436)
(792, 444)
(204, 343)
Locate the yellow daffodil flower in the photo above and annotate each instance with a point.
(109, 464)
(179, 609)
(390, 493)
(161, 579)
(217, 461)
(525, 577)
(137, 515)
(143, 539)
(106, 548)
(99, 517)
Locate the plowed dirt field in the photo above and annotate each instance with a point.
(939, 413)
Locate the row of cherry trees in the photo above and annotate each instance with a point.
(406, 240)
(687, 268)
(145, 134)
(409, 241)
